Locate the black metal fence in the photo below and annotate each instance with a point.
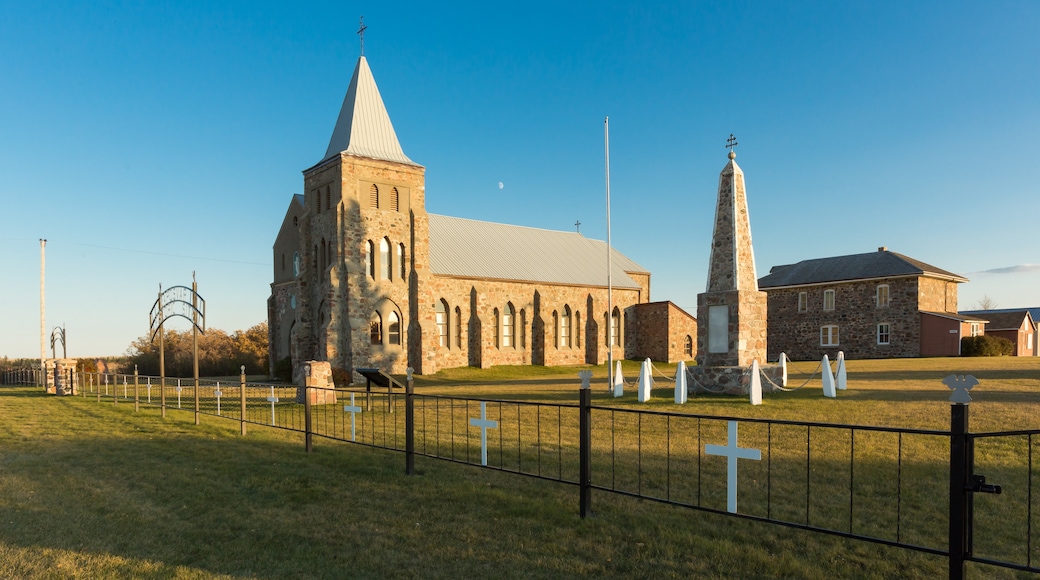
(910, 488)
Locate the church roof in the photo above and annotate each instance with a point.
(476, 249)
(879, 264)
(364, 126)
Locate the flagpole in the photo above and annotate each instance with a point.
(610, 288)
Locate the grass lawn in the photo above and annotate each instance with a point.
(90, 490)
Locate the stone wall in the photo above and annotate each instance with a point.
(659, 330)
(857, 315)
(536, 332)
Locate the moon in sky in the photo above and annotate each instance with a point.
(501, 185)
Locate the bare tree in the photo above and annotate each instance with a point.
(985, 303)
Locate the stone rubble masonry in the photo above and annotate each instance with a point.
(857, 315)
(732, 281)
(659, 330)
(317, 374)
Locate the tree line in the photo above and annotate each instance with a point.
(220, 353)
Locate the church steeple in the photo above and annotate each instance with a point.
(364, 126)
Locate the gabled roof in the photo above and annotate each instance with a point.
(298, 198)
(879, 264)
(364, 126)
(1003, 319)
(476, 249)
(959, 316)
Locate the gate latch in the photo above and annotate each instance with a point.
(978, 485)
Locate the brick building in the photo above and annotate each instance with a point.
(876, 305)
(1014, 324)
(365, 277)
(662, 332)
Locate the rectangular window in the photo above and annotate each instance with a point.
(507, 329)
(974, 328)
(882, 296)
(803, 302)
(829, 335)
(828, 299)
(884, 332)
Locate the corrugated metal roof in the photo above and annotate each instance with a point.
(364, 126)
(880, 264)
(477, 249)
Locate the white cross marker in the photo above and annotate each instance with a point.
(273, 399)
(217, 394)
(732, 453)
(483, 423)
(149, 390)
(352, 409)
(178, 393)
(124, 387)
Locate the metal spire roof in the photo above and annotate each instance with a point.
(364, 126)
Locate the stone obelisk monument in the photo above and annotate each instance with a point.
(731, 313)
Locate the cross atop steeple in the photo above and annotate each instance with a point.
(361, 33)
(577, 225)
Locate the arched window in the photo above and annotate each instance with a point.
(401, 265)
(577, 329)
(375, 329)
(384, 259)
(688, 346)
(324, 255)
(565, 327)
(373, 196)
(295, 221)
(507, 326)
(497, 329)
(458, 327)
(441, 314)
(556, 329)
(394, 200)
(523, 328)
(615, 328)
(317, 200)
(370, 263)
(328, 197)
(394, 329)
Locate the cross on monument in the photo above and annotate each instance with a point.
(352, 409)
(483, 423)
(732, 453)
(361, 33)
(731, 142)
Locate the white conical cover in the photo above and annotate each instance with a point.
(783, 369)
(363, 127)
(680, 384)
(828, 379)
(842, 377)
(756, 384)
(619, 382)
(645, 382)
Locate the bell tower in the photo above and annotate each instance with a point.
(364, 241)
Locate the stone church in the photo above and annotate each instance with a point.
(365, 277)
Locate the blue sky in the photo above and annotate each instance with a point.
(148, 140)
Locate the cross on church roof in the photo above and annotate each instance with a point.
(577, 226)
(361, 33)
(731, 142)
